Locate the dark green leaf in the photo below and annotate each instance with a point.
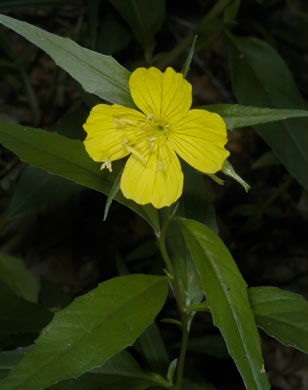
(9, 359)
(18, 278)
(97, 73)
(144, 18)
(211, 345)
(236, 115)
(260, 77)
(18, 316)
(7, 5)
(36, 187)
(282, 314)
(66, 158)
(152, 348)
(227, 298)
(184, 266)
(191, 385)
(92, 329)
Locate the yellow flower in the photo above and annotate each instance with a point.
(153, 138)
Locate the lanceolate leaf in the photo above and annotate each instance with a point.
(36, 187)
(18, 278)
(92, 329)
(18, 316)
(67, 158)
(120, 372)
(260, 77)
(97, 73)
(236, 115)
(226, 294)
(282, 314)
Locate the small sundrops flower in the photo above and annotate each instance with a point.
(165, 128)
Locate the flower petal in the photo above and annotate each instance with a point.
(109, 128)
(166, 96)
(199, 138)
(157, 179)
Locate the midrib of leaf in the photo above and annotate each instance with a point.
(238, 328)
(77, 341)
(274, 105)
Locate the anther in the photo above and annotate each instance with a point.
(106, 164)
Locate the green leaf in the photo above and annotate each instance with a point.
(67, 158)
(120, 372)
(36, 187)
(144, 18)
(92, 329)
(151, 347)
(18, 278)
(18, 316)
(9, 359)
(97, 73)
(260, 77)
(186, 66)
(228, 170)
(282, 314)
(227, 298)
(184, 266)
(237, 116)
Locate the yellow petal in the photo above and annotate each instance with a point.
(109, 129)
(166, 96)
(199, 138)
(157, 178)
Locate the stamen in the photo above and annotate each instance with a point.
(120, 123)
(134, 152)
(106, 164)
(152, 139)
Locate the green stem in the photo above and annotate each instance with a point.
(178, 297)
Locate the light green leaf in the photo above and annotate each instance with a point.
(18, 317)
(67, 158)
(92, 329)
(144, 18)
(97, 73)
(237, 116)
(36, 187)
(282, 314)
(260, 77)
(228, 170)
(18, 278)
(226, 294)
